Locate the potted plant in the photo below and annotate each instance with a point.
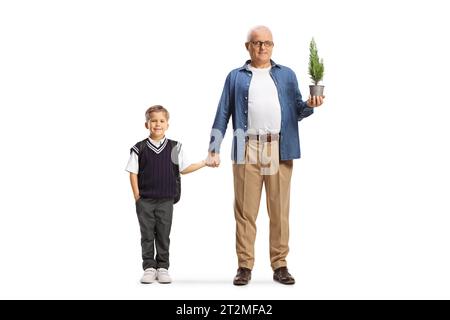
(315, 70)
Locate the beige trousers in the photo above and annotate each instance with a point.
(262, 167)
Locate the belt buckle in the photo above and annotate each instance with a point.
(262, 137)
(268, 137)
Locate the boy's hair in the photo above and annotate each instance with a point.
(156, 108)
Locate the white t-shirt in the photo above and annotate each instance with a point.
(264, 110)
(133, 162)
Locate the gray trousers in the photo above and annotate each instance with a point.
(155, 221)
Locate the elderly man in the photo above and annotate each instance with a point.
(265, 103)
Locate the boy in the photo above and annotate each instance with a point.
(155, 165)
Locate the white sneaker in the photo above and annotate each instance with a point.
(149, 276)
(163, 276)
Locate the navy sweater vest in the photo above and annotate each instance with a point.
(158, 177)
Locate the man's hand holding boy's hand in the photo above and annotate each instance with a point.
(213, 160)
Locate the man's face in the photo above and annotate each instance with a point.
(260, 46)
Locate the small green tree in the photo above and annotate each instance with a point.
(316, 68)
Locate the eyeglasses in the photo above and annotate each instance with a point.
(258, 44)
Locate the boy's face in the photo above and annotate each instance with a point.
(157, 125)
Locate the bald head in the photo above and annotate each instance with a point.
(258, 29)
(259, 45)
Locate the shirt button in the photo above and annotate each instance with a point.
(245, 98)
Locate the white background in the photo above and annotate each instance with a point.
(369, 203)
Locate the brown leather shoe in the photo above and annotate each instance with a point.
(242, 277)
(283, 276)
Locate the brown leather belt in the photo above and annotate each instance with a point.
(264, 137)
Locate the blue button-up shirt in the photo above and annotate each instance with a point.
(234, 102)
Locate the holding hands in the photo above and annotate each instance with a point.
(213, 160)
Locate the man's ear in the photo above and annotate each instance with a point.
(146, 125)
(246, 45)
